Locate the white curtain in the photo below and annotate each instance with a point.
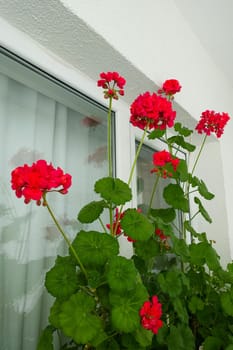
(32, 127)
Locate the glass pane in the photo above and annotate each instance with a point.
(145, 183)
(146, 180)
(63, 128)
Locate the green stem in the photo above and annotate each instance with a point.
(137, 155)
(102, 224)
(111, 220)
(187, 192)
(132, 172)
(199, 153)
(110, 138)
(168, 144)
(153, 193)
(194, 215)
(64, 235)
(110, 171)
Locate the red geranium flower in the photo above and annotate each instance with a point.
(161, 159)
(117, 225)
(160, 234)
(170, 87)
(32, 182)
(150, 313)
(152, 111)
(212, 122)
(109, 81)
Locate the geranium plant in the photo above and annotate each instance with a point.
(172, 293)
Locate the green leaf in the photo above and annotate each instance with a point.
(77, 319)
(179, 140)
(230, 347)
(143, 337)
(95, 248)
(195, 304)
(201, 236)
(203, 252)
(212, 343)
(230, 267)
(166, 215)
(147, 249)
(202, 210)
(162, 334)
(121, 274)
(197, 253)
(54, 313)
(182, 170)
(95, 278)
(182, 130)
(181, 310)
(174, 196)
(156, 134)
(125, 308)
(180, 248)
(212, 258)
(170, 282)
(46, 339)
(129, 342)
(113, 190)
(193, 180)
(225, 276)
(227, 302)
(204, 191)
(109, 344)
(136, 225)
(61, 281)
(91, 212)
(181, 338)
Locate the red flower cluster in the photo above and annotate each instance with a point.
(117, 225)
(150, 315)
(108, 81)
(170, 87)
(32, 181)
(152, 111)
(160, 234)
(160, 160)
(212, 122)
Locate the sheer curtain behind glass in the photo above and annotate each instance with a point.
(146, 179)
(145, 184)
(34, 126)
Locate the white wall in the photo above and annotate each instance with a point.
(147, 42)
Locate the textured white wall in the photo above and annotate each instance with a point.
(147, 42)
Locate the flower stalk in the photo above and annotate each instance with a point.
(45, 203)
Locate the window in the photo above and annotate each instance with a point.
(146, 180)
(40, 118)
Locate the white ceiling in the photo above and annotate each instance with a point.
(212, 22)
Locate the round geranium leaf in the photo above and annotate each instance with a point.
(110, 344)
(121, 274)
(46, 339)
(91, 212)
(54, 312)
(61, 281)
(95, 248)
(136, 225)
(113, 190)
(165, 214)
(125, 308)
(147, 249)
(77, 319)
(174, 196)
